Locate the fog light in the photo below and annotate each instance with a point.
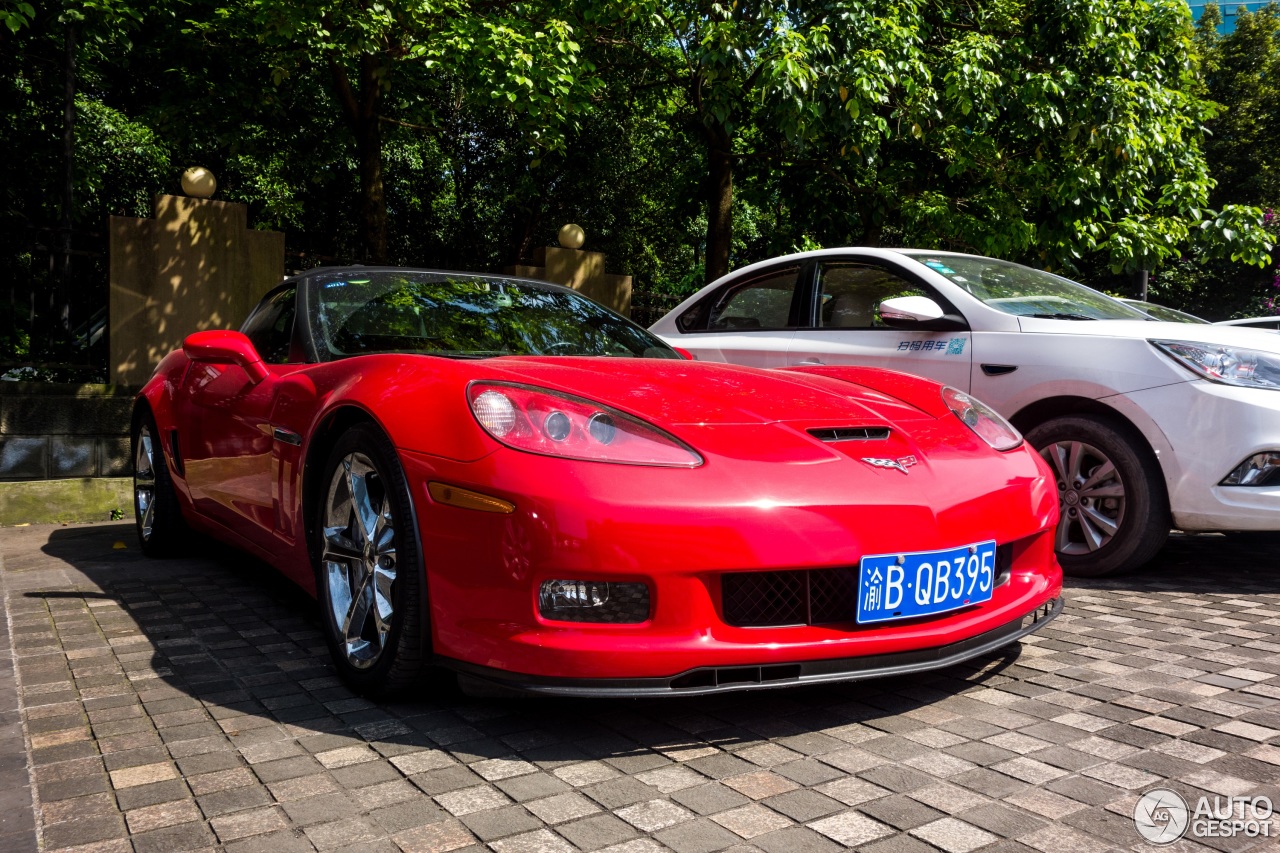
(593, 601)
(1260, 469)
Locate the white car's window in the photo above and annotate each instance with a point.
(849, 295)
(1027, 292)
(761, 303)
(1163, 312)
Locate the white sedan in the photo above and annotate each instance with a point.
(1147, 424)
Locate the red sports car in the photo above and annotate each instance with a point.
(503, 478)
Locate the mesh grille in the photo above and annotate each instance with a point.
(805, 597)
(764, 598)
(1004, 563)
(833, 595)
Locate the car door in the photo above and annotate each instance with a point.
(226, 438)
(844, 326)
(749, 320)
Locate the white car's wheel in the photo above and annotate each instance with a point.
(1114, 513)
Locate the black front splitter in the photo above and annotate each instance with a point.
(707, 680)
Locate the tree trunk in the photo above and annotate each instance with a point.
(373, 200)
(61, 296)
(362, 113)
(719, 202)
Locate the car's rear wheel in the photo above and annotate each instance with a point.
(367, 566)
(1114, 513)
(157, 516)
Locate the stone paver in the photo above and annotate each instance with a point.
(189, 704)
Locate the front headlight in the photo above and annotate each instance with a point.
(982, 419)
(1245, 368)
(552, 423)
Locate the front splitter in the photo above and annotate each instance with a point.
(702, 681)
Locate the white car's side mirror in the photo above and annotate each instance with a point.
(910, 309)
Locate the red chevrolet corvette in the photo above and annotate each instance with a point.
(500, 477)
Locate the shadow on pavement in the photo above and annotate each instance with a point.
(1215, 563)
(230, 632)
(187, 703)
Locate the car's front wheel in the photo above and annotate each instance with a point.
(1114, 513)
(367, 566)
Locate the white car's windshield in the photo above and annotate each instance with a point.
(1027, 292)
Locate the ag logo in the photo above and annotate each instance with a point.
(901, 464)
(1161, 816)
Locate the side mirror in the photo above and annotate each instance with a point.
(910, 309)
(226, 347)
(919, 312)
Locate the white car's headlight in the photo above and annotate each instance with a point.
(1246, 368)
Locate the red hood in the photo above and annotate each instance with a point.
(673, 393)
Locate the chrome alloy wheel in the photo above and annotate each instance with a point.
(144, 482)
(359, 559)
(1091, 496)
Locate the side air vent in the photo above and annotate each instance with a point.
(851, 434)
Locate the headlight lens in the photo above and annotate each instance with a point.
(1245, 368)
(982, 419)
(554, 424)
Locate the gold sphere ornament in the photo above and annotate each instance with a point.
(572, 236)
(199, 182)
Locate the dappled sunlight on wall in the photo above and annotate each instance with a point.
(196, 265)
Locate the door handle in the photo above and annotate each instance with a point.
(811, 361)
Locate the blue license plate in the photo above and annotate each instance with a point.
(924, 583)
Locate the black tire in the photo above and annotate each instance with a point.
(374, 656)
(156, 514)
(1126, 507)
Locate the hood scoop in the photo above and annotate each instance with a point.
(850, 434)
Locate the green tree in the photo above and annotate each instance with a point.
(1242, 73)
(776, 82)
(1059, 131)
(517, 55)
(16, 14)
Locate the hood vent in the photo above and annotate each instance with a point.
(851, 434)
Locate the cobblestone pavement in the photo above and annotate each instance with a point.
(189, 704)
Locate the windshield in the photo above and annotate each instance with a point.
(462, 316)
(1164, 312)
(1027, 292)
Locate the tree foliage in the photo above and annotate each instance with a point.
(687, 136)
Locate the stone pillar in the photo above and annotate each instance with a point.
(583, 271)
(196, 265)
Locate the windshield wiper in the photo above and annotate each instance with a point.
(1061, 316)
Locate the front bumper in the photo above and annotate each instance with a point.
(705, 680)
(1211, 429)
(681, 531)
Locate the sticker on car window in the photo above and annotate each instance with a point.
(940, 267)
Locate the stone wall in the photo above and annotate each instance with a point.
(52, 432)
(196, 265)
